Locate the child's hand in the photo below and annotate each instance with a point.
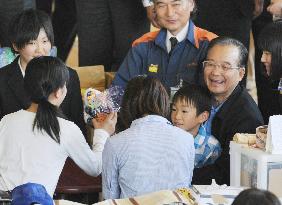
(108, 124)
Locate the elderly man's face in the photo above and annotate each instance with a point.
(222, 73)
(173, 14)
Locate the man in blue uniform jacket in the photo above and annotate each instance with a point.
(173, 53)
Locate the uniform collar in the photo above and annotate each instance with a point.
(180, 36)
(161, 38)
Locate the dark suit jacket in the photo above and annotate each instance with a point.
(231, 18)
(238, 114)
(278, 99)
(14, 98)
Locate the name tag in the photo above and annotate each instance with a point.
(153, 68)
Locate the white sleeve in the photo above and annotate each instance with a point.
(99, 139)
(147, 3)
(78, 149)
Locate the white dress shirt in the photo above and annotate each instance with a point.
(180, 36)
(33, 156)
(22, 70)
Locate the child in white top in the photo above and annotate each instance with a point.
(35, 143)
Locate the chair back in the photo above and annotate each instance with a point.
(91, 76)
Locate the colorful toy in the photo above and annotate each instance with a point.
(98, 104)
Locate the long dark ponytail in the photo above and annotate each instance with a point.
(44, 76)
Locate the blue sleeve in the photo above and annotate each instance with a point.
(131, 66)
(213, 153)
(207, 147)
(111, 188)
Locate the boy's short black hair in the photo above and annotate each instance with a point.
(194, 95)
(26, 26)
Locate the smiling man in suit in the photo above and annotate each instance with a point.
(233, 110)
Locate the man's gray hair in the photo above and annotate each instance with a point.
(226, 41)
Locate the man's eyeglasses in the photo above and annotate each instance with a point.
(224, 66)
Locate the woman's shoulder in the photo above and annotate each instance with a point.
(18, 118)
(182, 134)
(22, 113)
(69, 128)
(67, 124)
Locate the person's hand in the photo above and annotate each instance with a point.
(275, 8)
(151, 14)
(108, 124)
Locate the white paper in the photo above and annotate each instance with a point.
(206, 192)
(274, 135)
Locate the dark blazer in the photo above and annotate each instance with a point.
(238, 114)
(14, 98)
(269, 97)
(231, 18)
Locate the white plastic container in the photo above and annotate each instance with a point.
(252, 167)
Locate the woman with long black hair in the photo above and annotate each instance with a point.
(34, 143)
(270, 42)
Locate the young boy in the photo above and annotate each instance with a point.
(191, 106)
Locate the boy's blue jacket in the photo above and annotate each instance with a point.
(149, 56)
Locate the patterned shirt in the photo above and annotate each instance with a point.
(151, 155)
(207, 148)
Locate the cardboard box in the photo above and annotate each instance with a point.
(252, 167)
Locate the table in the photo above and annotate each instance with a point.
(74, 184)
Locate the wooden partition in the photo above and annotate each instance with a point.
(109, 78)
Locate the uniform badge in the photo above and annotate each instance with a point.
(153, 68)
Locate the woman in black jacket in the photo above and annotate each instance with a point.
(270, 43)
(31, 34)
